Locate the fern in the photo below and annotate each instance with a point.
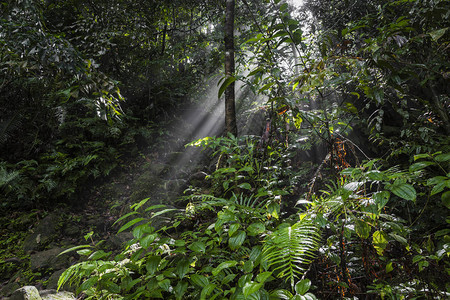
(289, 249)
(8, 126)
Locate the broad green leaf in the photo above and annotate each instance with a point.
(403, 190)
(140, 230)
(129, 224)
(443, 157)
(111, 287)
(152, 264)
(248, 266)
(438, 188)
(251, 288)
(353, 186)
(84, 252)
(224, 265)
(246, 169)
(381, 199)
(281, 294)
(362, 229)
(255, 229)
(266, 87)
(228, 278)
(375, 175)
(225, 84)
(147, 240)
(389, 267)
(255, 254)
(207, 290)
(182, 268)
(398, 238)
(262, 277)
(164, 284)
(233, 228)
(446, 199)
(436, 180)
(199, 280)
(198, 247)
(87, 284)
(180, 289)
(255, 71)
(237, 240)
(302, 287)
(283, 7)
(437, 34)
(379, 242)
(420, 165)
(130, 284)
(246, 186)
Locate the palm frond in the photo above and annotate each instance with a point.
(290, 249)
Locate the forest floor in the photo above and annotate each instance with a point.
(31, 240)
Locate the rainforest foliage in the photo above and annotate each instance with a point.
(345, 194)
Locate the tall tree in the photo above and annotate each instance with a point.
(230, 111)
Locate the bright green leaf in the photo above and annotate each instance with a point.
(302, 287)
(236, 241)
(147, 240)
(379, 242)
(262, 277)
(255, 229)
(198, 247)
(251, 288)
(224, 265)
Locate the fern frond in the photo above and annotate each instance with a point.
(290, 249)
(8, 126)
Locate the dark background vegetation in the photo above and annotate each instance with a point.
(86, 86)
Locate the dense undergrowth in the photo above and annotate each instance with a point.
(345, 194)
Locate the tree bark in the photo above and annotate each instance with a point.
(230, 110)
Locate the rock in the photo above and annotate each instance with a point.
(198, 179)
(72, 230)
(49, 259)
(43, 233)
(52, 282)
(55, 295)
(9, 288)
(26, 293)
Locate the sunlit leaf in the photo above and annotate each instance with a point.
(437, 34)
(379, 242)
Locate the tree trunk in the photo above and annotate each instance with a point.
(230, 111)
